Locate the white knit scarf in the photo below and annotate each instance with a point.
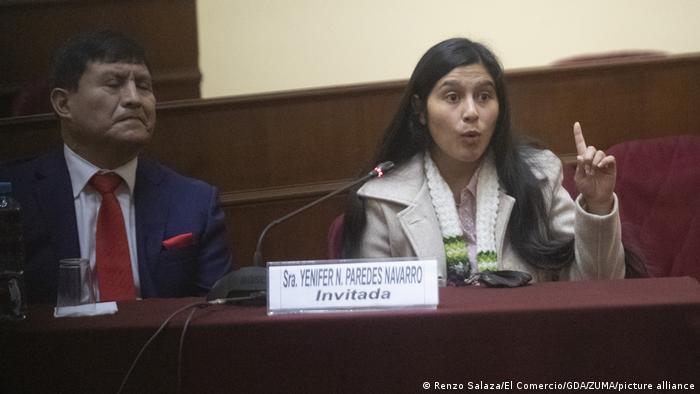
(486, 212)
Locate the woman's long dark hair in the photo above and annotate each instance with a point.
(528, 227)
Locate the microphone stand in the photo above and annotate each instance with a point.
(252, 280)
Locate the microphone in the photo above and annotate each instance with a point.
(251, 281)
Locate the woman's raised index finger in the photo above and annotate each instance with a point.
(578, 139)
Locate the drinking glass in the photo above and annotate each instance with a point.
(75, 285)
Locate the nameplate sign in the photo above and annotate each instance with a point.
(356, 284)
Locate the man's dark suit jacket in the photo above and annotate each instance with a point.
(167, 204)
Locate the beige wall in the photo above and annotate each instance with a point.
(252, 46)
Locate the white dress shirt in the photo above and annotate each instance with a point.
(87, 205)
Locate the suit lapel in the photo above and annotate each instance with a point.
(417, 220)
(151, 204)
(54, 196)
(407, 186)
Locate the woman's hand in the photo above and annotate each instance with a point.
(595, 175)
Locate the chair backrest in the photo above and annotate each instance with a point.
(658, 186)
(335, 237)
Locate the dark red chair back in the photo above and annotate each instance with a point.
(658, 186)
(335, 237)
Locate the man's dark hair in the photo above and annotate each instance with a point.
(97, 46)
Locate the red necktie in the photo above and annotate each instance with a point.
(112, 261)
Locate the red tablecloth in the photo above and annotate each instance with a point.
(626, 331)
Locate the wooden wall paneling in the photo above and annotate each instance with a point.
(614, 103)
(302, 237)
(275, 140)
(31, 30)
(28, 136)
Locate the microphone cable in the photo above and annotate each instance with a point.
(179, 350)
(193, 306)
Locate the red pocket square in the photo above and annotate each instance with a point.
(179, 241)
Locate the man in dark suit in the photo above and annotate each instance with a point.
(147, 231)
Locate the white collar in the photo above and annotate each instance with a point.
(81, 171)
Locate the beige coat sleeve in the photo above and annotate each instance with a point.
(598, 239)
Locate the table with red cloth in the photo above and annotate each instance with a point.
(635, 331)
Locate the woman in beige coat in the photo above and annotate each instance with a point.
(473, 195)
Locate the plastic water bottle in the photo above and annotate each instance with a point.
(13, 301)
